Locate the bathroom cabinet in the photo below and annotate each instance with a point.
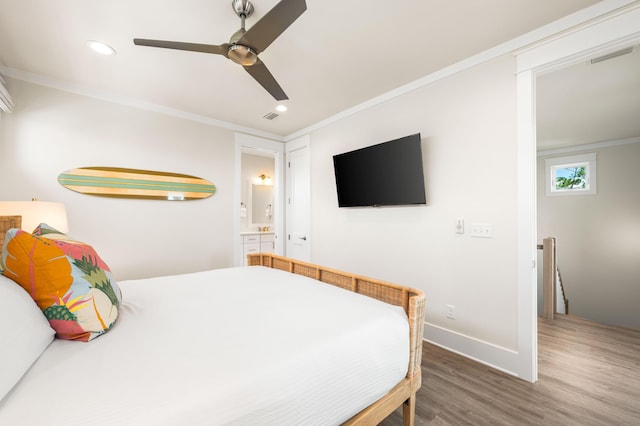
(256, 242)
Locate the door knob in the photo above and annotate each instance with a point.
(303, 238)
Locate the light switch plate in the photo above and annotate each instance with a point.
(481, 230)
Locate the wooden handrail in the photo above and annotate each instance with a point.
(549, 277)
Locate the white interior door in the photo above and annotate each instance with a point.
(298, 244)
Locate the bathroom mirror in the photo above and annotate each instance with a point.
(261, 208)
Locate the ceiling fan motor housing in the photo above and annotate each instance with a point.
(238, 53)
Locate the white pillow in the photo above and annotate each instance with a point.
(24, 333)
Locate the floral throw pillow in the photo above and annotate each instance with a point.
(70, 283)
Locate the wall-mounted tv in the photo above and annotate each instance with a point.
(386, 174)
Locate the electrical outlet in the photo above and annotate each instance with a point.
(451, 312)
(459, 226)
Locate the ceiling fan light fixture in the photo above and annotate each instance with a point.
(242, 55)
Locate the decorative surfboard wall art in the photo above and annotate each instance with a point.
(133, 183)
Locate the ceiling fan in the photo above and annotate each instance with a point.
(245, 46)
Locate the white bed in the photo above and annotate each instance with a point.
(228, 346)
(269, 344)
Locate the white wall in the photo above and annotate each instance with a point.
(598, 238)
(51, 131)
(468, 127)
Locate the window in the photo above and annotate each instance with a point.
(572, 175)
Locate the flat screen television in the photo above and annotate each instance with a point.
(386, 174)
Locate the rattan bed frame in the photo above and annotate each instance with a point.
(413, 303)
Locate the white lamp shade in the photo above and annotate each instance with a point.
(36, 212)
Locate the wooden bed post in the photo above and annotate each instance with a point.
(409, 411)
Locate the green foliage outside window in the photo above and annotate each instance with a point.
(574, 179)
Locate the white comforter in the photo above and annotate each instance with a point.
(229, 346)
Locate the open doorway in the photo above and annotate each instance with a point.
(605, 33)
(257, 191)
(586, 124)
(259, 185)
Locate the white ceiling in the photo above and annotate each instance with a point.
(589, 103)
(337, 55)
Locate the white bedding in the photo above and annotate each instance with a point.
(229, 346)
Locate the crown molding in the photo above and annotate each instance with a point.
(130, 102)
(587, 147)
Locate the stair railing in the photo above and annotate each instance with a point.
(549, 276)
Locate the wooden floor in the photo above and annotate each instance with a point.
(589, 374)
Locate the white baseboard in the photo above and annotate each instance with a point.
(497, 357)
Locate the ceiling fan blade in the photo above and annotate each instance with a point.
(192, 47)
(271, 25)
(262, 75)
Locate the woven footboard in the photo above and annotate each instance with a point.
(411, 300)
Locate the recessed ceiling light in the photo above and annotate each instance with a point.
(100, 47)
(281, 108)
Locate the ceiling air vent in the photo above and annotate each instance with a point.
(612, 55)
(271, 116)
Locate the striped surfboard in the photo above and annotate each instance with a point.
(134, 183)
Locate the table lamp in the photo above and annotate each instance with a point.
(36, 212)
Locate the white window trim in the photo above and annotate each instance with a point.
(588, 160)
